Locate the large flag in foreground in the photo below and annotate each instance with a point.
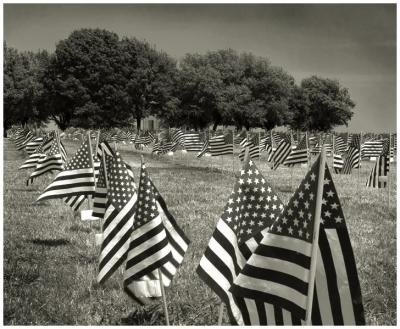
(118, 219)
(252, 207)
(148, 286)
(149, 247)
(276, 273)
(76, 179)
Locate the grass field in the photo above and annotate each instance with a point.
(50, 257)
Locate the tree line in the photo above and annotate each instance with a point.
(94, 79)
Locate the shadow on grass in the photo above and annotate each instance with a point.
(145, 315)
(50, 242)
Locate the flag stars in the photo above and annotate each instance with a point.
(330, 193)
(338, 219)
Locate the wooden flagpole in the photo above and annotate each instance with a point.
(221, 314)
(94, 175)
(97, 141)
(233, 154)
(388, 174)
(292, 166)
(163, 298)
(317, 220)
(359, 163)
(308, 151)
(333, 149)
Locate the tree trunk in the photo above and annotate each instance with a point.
(138, 119)
(215, 126)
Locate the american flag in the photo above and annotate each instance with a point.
(41, 150)
(33, 145)
(298, 155)
(25, 137)
(251, 207)
(339, 145)
(118, 219)
(337, 163)
(352, 155)
(371, 148)
(192, 142)
(281, 153)
(379, 173)
(76, 179)
(75, 201)
(279, 269)
(337, 295)
(100, 194)
(221, 145)
(177, 136)
(149, 247)
(239, 137)
(148, 286)
(254, 148)
(205, 148)
(51, 160)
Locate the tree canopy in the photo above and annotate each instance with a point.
(320, 104)
(95, 79)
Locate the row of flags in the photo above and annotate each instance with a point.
(138, 231)
(345, 155)
(258, 260)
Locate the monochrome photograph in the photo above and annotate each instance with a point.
(199, 164)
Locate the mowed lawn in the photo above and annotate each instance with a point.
(50, 256)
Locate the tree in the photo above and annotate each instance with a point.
(23, 88)
(320, 104)
(149, 79)
(84, 81)
(223, 87)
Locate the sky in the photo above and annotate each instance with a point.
(355, 44)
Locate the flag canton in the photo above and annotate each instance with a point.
(297, 220)
(81, 158)
(252, 206)
(121, 188)
(331, 211)
(54, 149)
(146, 208)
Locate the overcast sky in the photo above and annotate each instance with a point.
(355, 44)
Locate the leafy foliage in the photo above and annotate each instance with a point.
(23, 88)
(320, 104)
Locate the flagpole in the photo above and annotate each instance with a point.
(233, 154)
(163, 298)
(221, 314)
(308, 151)
(333, 149)
(97, 140)
(291, 167)
(315, 247)
(92, 165)
(388, 174)
(359, 162)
